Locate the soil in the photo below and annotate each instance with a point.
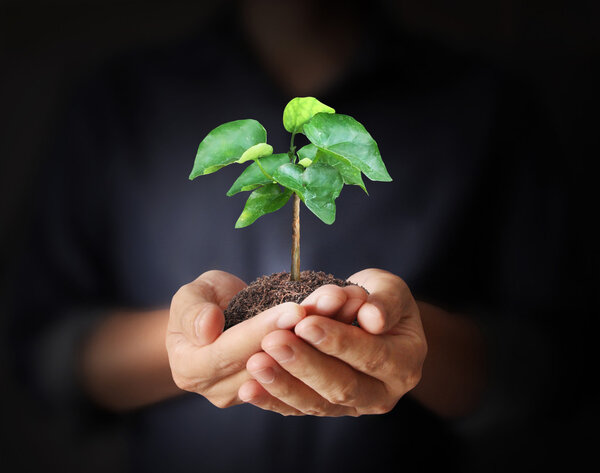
(269, 291)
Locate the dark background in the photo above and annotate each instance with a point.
(46, 47)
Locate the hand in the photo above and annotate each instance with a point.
(203, 358)
(210, 362)
(327, 367)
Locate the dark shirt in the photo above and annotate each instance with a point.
(472, 221)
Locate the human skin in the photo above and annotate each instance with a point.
(125, 365)
(280, 360)
(327, 367)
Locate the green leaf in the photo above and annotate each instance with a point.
(343, 136)
(262, 201)
(253, 177)
(350, 174)
(290, 176)
(322, 184)
(254, 152)
(317, 186)
(300, 110)
(308, 151)
(305, 162)
(226, 144)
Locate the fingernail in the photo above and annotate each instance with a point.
(281, 353)
(289, 318)
(372, 318)
(265, 376)
(198, 324)
(312, 334)
(327, 303)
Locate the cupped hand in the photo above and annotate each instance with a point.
(328, 367)
(203, 358)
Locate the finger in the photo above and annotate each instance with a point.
(212, 286)
(228, 354)
(356, 297)
(341, 303)
(290, 391)
(253, 393)
(196, 308)
(389, 300)
(369, 354)
(202, 323)
(223, 392)
(327, 300)
(189, 375)
(230, 351)
(224, 286)
(331, 378)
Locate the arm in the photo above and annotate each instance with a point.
(454, 370)
(124, 362)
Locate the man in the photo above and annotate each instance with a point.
(122, 230)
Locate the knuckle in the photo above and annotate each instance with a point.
(219, 397)
(286, 412)
(382, 407)
(181, 294)
(185, 383)
(320, 409)
(176, 297)
(179, 304)
(283, 390)
(221, 402)
(345, 394)
(413, 379)
(336, 345)
(191, 293)
(405, 381)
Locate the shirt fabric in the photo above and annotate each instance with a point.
(471, 220)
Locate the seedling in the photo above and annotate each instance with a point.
(339, 152)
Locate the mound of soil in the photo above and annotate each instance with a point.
(269, 291)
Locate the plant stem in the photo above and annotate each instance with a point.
(295, 272)
(263, 170)
(292, 151)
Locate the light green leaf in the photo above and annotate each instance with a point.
(290, 176)
(253, 177)
(262, 201)
(305, 162)
(254, 152)
(350, 174)
(343, 136)
(300, 110)
(322, 184)
(226, 144)
(308, 151)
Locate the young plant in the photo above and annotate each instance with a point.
(339, 152)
